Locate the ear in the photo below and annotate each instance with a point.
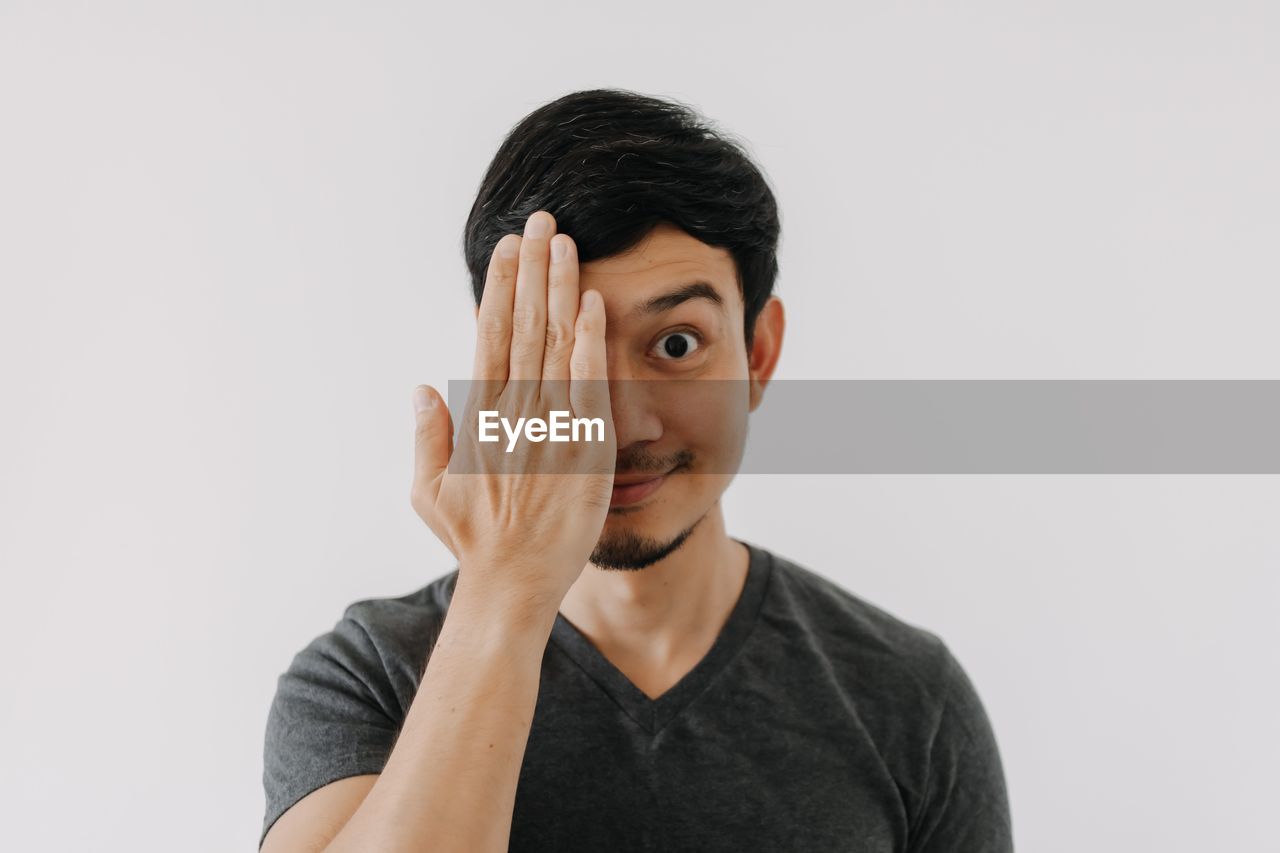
(766, 346)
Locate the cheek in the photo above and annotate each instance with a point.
(709, 418)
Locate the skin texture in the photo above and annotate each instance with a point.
(523, 543)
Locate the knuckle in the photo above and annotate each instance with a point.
(559, 337)
(559, 279)
(525, 349)
(524, 319)
(502, 275)
(554, 361)
(491, 328)
(533, 250)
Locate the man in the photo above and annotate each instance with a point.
(607, 669)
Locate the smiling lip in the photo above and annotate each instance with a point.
(633, 491)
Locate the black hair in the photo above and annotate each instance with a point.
(609, 165)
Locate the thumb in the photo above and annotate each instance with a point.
(433, 441)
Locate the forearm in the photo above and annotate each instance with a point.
(450, 782)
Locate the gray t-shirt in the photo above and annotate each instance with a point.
(816, 722)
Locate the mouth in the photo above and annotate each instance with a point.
(629, 490)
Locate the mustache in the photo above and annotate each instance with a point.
(638, 461)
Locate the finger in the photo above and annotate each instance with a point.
(493, 320)
(433, 445)
(529, 317)
(562, 308)
(588, 368)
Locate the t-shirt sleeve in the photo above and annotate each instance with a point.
(966, 805)
(331, 718)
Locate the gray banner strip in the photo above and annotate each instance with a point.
(1017, 427)
(990, 426)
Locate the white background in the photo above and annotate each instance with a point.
(231, 246)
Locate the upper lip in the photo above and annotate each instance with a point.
(634, 479)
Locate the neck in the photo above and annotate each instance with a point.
(660, 620)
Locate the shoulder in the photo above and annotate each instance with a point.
(903, 683)
(339, 705)
(865, 640)
(379, 646)
(406, 617)
(406, 626)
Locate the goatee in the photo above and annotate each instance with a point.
(630, 551)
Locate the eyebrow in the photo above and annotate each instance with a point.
(667, 301)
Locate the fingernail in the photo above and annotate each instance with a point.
(589, 300)
(508, 248)
(558, 250)
(422, 399)
(537, 226)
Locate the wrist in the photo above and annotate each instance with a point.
(506, 612)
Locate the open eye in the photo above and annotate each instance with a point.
(677, 345)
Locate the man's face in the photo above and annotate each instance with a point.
(674, 312)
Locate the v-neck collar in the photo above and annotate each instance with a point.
(653, 714)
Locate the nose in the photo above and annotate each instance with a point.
(635, 413)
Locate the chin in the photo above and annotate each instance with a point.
(633, 547)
